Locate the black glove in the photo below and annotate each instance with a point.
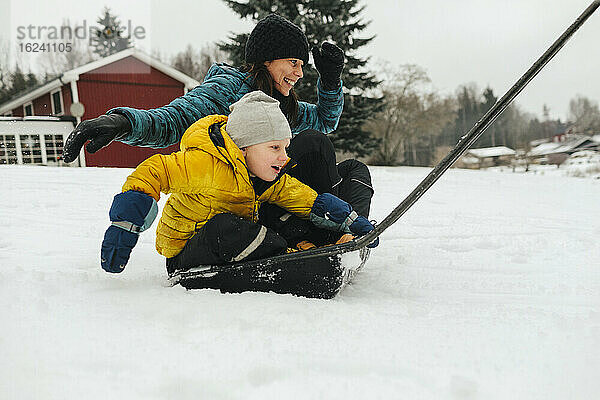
(329, 61)
(100, 131)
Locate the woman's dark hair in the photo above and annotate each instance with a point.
(264, 82)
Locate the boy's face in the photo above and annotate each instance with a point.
(265, 160)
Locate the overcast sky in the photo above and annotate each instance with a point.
(486, 42)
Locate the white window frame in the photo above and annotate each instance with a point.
(32, 110)
(37, 132)
(62, 104)
(6, 158)
(43, 156)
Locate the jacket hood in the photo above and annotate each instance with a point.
(208, 134)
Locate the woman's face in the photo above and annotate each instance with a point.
(285, 73)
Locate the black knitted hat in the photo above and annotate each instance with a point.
(275, 37)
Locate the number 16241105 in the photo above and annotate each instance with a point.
(46, 47)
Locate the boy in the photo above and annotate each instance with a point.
(226, 168)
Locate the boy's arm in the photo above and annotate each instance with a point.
(324, 210)
(167, 173)
(291, 194)
(151, 176)
(134, 210)
(131, 212)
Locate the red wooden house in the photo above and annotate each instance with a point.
(128, 78)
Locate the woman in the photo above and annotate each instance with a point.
(275, 54)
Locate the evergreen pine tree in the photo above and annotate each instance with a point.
(489, 139)
(338, 21)
(108, 38)
(468, 111)
(17, 82)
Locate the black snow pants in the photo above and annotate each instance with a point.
(226, 238)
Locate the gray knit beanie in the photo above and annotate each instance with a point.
(256, 118)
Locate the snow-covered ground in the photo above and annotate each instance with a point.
(488, 288)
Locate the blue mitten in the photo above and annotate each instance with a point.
(361, 226)
(131, 212)
(333, 213)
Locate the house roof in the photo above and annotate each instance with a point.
(497, 151)
(570, 145)
(31, 94)
(73, 75)
(544, 148)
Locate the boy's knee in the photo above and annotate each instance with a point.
(236, 239)
(221, 224)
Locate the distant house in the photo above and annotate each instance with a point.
(561, 147)
(128, 78)
(486, 157)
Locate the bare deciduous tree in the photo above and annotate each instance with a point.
(584, 114)
(54, 63)
(413, 116)
(195, 63)
(4, 69)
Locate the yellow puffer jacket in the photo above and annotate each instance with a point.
(209, 176)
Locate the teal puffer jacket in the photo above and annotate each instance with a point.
(222, 86)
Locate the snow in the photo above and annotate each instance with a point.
(35, 125)
(491, 152)
(488, 288)
(545, 148)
